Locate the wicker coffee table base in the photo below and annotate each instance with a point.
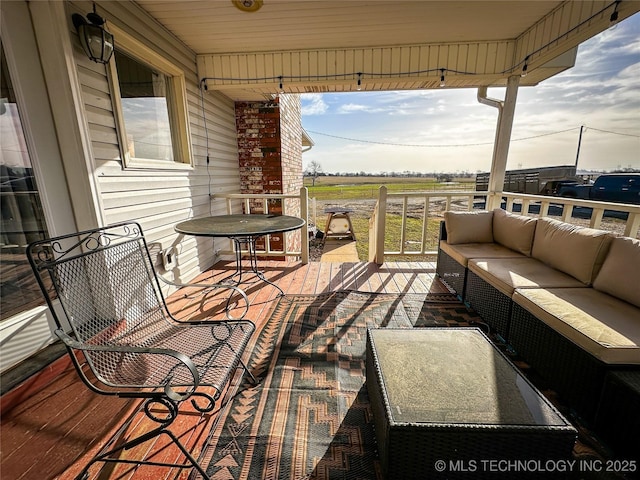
(418, 450)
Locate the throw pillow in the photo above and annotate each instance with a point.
(619, 273)
(514, 231)
(574, 250)
(469, 227)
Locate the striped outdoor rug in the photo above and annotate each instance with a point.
(309, 416)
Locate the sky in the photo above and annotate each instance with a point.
(601, 92)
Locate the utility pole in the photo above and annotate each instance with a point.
(579, 143)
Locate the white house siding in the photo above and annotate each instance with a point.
(158, 199)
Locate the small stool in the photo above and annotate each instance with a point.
(338, 224)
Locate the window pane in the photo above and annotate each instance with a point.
(145, 96)
(22, 215)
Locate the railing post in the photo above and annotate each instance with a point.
(567, 212)
(304, 231)
(544, 209)
(633, 223)
(596, 217)
(372, 233)
(425, 225)
(403, 228)
(380, 225)
(493, 201)
(314, 207)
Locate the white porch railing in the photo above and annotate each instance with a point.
(431, 205)
(567, 205)
(297, 205)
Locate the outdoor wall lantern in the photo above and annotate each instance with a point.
(96, 42)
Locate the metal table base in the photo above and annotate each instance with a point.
(243, 230)
(250, 243)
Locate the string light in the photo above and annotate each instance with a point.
(510, 70)
(333, 76)
(525, 66)
(613, 19)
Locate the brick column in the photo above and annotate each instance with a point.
(270, 153)
(291, 155)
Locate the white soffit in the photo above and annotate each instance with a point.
(322, 46)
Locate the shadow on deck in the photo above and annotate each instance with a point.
(52, 424)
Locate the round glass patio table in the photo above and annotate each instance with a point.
(244, 230)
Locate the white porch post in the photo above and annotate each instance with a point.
(506, 111)
(380, 219)
(304, 231)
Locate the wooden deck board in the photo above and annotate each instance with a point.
(69, 423)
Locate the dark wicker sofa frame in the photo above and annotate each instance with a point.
(491, 304)
(571, 371)
(575, 374)
(105, 297)
(450, 272)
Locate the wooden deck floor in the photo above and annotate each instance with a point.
(52, 431)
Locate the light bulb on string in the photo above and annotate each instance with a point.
(442, 82)
(359, 86)
(613, 19)
(525, 67)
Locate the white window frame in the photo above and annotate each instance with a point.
(178, 108)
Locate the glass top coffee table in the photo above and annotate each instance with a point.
(449, 395)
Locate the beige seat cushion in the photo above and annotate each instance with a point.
(571, 249)
(514, 231)
(600, 324)
(620, 272)
(465, 251)
(469, 227)
(507, 274)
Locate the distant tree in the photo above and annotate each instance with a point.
(314, 169)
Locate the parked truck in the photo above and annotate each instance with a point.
(611, 187)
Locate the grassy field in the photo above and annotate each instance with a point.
(353, 188)
(359, 195)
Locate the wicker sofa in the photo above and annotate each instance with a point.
(566, 298)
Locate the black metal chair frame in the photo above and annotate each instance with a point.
(102, 288)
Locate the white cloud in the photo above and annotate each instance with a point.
(371, 107)
(313, 104)
(353, 107)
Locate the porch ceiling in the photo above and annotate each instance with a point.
(321, 46)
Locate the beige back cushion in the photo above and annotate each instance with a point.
(620, 272)
(514, 231)
(574, 250)
(468, 227)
